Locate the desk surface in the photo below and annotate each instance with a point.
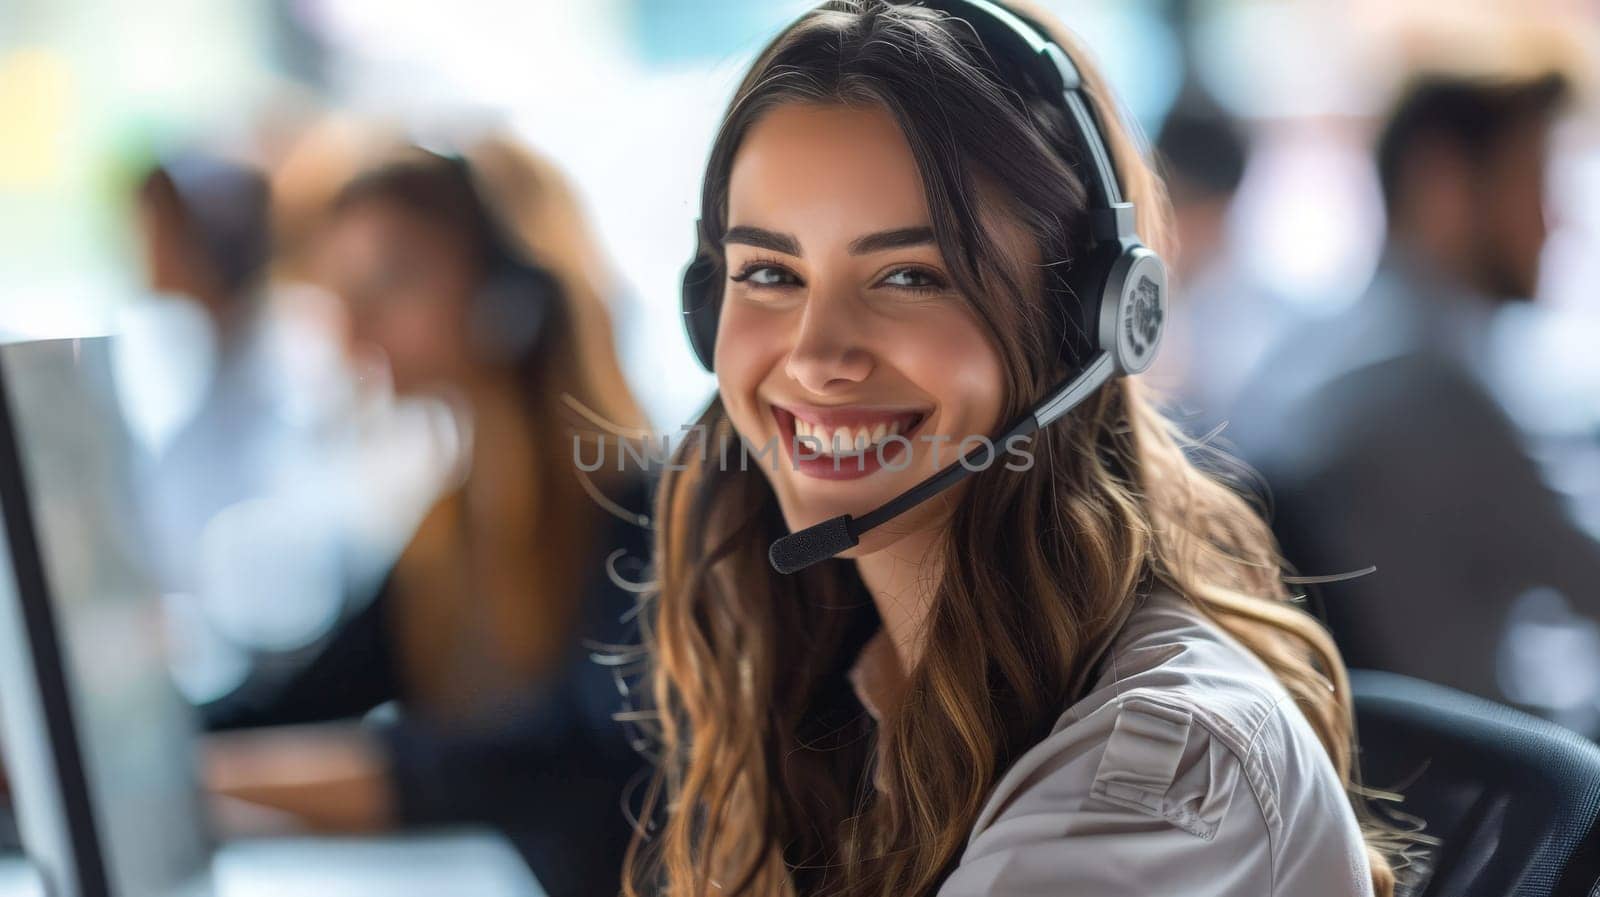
(469, 864)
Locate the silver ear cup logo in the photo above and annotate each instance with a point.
(1133, 310)
(1136, 306)
(1142, 321)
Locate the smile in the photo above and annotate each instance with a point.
(845, 443)
(846, 440)
(847, 431)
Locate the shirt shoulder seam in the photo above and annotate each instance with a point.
(1246, 751)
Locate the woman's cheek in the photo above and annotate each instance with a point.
(424, 335)
(949, 356)
(747, 344)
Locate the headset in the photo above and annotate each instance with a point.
(508, 313)
(1118, 289)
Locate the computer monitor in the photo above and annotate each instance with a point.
(97, 744)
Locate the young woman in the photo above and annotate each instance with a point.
(477, 276)
(1078, 673)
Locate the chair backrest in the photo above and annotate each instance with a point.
(1514, 798)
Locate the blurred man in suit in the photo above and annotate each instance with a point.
(1381, 440)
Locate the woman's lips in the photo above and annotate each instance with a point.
(844, 443)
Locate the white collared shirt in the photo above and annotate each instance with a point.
(1188, 770)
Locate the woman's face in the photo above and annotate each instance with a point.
(406, 284)
(840, 323)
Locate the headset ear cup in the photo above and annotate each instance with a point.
(1133, 316)
(509, 312)
(702, 302)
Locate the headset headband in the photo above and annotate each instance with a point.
(1053, 73)
(504, 246)
(509, 312)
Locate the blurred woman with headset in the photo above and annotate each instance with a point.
(471, 275)
(1079, 671)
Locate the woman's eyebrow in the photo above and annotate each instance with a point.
(761, 238)
(898, 238)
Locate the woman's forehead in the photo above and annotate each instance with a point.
(844, 170)
(826, 162)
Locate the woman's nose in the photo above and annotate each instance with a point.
(830, 352)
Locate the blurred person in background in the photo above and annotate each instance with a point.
(212, 378)
(1222, 319)
(189, 359)
(478, 280)
(1382, 441)
(204, 223)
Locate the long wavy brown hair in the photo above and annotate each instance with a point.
(767, 771)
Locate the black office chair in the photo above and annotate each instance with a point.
(1514, 799)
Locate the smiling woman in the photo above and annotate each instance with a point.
(840, 315)
(1082, 675)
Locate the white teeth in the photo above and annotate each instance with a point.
(846, 440)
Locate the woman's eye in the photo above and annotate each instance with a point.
(765, 276)
(914, 279)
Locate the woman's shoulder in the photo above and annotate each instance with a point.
(1170, 653)
(1186, 769)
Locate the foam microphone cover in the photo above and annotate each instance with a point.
(797, 551)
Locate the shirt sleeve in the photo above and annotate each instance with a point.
(353, 671)
(548, 755)
(1138, 799)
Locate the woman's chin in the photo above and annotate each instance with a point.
(798, 519)
(810, 508)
